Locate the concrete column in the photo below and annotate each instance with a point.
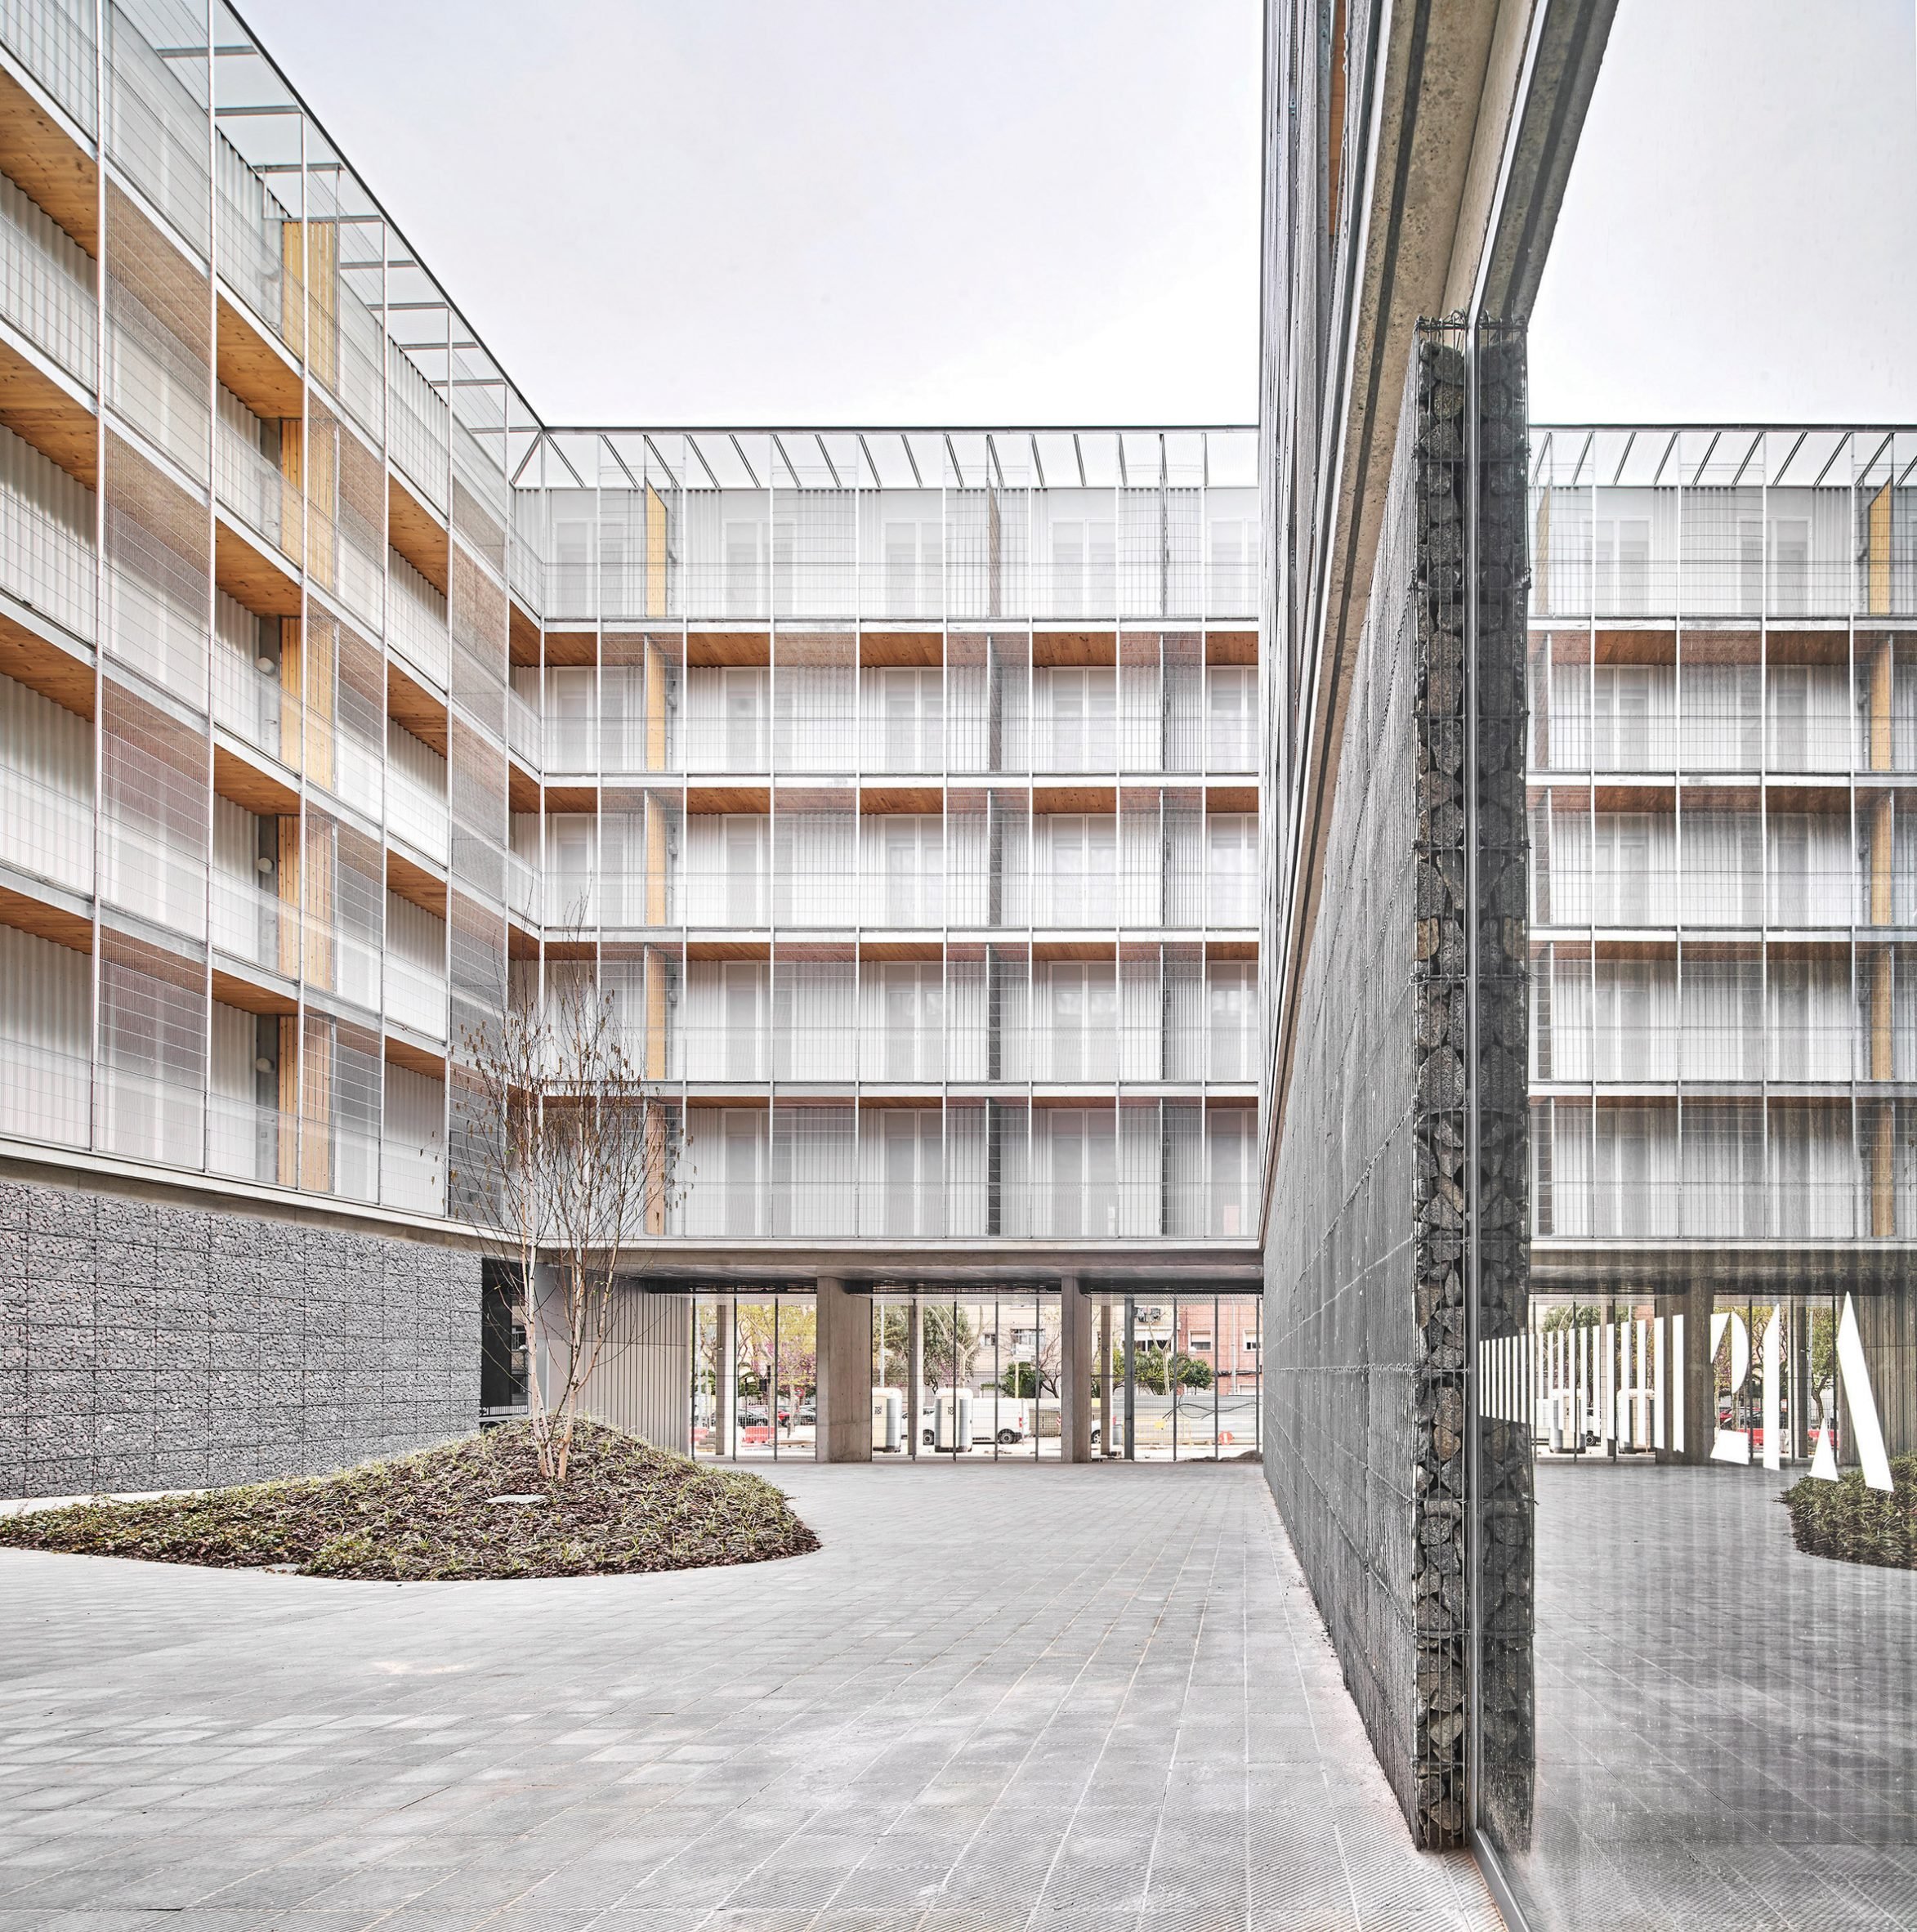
(845, 1373)
(915, 1373)
(1691, 1379)
(726, 1374)
(1107, 1415)
(1074, 1372)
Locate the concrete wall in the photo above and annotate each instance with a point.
(151, 1346)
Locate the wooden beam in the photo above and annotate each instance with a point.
(54, 171)
(255, 367)
(39, 411)
(244, 783)
(418, 534)
(55, 671)
(414, 883)
(252, 575)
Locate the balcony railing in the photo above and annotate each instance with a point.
(417, 815)
(45, 832)
(252, 487)
(44, 292)
(47, 560)
(253, 705)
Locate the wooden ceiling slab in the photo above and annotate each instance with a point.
(882, 949)
(522, 789)
(524, 642)
(727, 949)
(28, 658)
(414, 1057)
(572, 798)
(1230, 647)
(728, 647)
(230, 990)
(913, 801)
(1231, 949)
(1073, 798)
(418, 534)
(521, 941)
(252, 575)
(245, 783)
(1231, 798)
(255, 367)
(1075, 647)
(39, 153)
(1074, 949)
(414, 883)
(1635, 646)
(923, 649)
(25, 913)
(707, 798)
(577, 648)
(39, 411)
(410, 704)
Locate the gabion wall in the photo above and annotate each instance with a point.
(151, 1346)
(1369, 1265)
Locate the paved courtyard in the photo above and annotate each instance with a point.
(1081, 1699)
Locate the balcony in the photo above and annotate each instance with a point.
(415, 997)
(417, 815)
(45, 832)
(46, 287)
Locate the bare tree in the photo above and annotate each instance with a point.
(574, 1157)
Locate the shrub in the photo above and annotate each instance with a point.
(626, 1506)
(1854, 1523)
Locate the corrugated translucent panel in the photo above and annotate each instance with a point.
(476, 799)
(816, 859)
(416, 427)
(416, 620)
(900, 1028)
(47, 284)
(902, 859)
(159, 337)
(902, 1170)
(814, 1019)
(153, 1053)
(45, 788)
(415, 780)
(46, 1044)
(53, 40)
(155, 818)
(478, 610)
(156, 124)
(814, 1171)
(725, 1149)
(415, 967)
(47, 552)
(158, 574)
(413, 1156)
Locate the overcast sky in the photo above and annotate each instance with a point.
(841, 211)
(1047, 210)
(1739, 238)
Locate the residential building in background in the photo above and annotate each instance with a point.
(900, 787)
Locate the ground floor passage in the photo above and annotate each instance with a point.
(1088, 1701)
(1172, 1377)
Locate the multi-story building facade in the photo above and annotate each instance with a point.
(1724, 728)
(900, 786)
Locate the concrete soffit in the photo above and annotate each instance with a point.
(1473, 115)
